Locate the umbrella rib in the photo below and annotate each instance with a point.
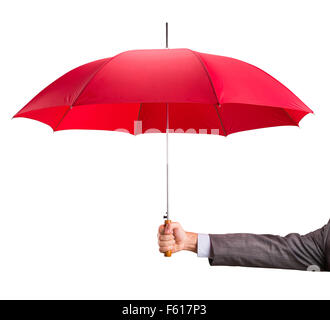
(213, 89)
(139, 112)
(65, 113)
(288, 114)
(222, 126)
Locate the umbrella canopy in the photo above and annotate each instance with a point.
(135, 91)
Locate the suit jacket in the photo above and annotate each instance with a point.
(294, 251)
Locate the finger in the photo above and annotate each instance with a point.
(164, 249)
(161, 229)
(166, 243)
(165, 237)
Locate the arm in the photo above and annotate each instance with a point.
(268, 251)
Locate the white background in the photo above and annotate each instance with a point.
(79, 210)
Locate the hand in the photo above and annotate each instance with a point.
(173, 238)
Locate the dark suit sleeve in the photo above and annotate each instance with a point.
(293, 251)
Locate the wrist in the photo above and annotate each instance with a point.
(190, 243)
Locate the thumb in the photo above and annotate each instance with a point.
(170, 227)
(167, 229)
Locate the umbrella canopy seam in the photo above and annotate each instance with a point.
(81, 91)
(211, 83)
(86, 84)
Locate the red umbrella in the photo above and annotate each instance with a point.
(166, 90)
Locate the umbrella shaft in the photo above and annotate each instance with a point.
(167, 121)
(166, 25)
(167, 196)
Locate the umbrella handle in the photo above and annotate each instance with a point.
(168, 253)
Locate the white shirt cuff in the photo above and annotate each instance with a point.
(203, 245)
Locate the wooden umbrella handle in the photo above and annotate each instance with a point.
(168, 253)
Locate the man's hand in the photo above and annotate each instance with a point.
(173, 238)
